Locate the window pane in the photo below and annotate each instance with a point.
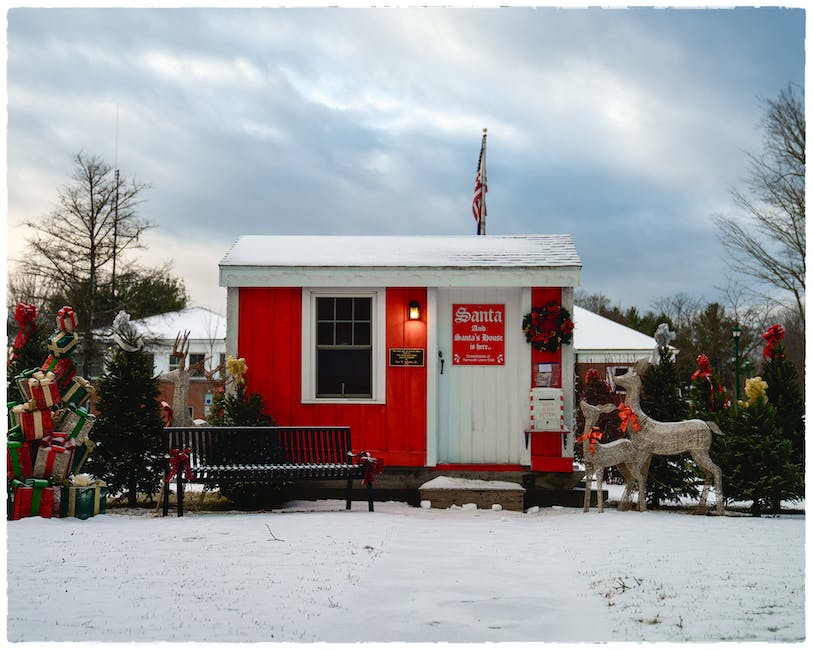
(362, 308)
(324, 308)
(344, 308)
(324, 334)
(344, 334)
(361, 334)
(345, 373)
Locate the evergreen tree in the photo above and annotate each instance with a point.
(757, 460)
(785, 394)
(670, 477)
(238, 408)
(129, 453)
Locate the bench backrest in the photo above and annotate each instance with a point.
(261, 445)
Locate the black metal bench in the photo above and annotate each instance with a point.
(265, 455)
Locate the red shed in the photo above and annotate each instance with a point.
(416, 343)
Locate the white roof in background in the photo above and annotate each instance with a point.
(201, 323)
(293, 260)
(597, 339)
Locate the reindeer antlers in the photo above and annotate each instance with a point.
(181, 346)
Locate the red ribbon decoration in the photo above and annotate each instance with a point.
(25, 314)
(703, 369)
(167, 413)
(372, 467)
(628, 417)
(594, 435)
(773, 339)
(179, 461)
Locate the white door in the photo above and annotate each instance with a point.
(483, 405)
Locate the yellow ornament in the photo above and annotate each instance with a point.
(755, 388)
(237, 368)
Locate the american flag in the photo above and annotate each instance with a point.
(478, 205)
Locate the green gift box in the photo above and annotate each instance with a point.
(79, 391)
(80, 455)
(62, 343)
(22, 383)
(83, 501)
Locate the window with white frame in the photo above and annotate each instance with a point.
(342, 345)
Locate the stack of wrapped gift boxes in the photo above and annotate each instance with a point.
(48, 439)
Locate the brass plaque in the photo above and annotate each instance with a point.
(407, 357)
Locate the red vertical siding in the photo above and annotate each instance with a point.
(546, 454)
(270, 339)
(539, 297)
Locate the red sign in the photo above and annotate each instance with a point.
(478, 335)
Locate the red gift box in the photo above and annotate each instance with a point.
(66, 319)
(62, 367)
(43, 389)
(35, 497)
(35, 423)
(18, 459)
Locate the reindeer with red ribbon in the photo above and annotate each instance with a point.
(668, 439)
(621, 453)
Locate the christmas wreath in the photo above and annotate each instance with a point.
(548, 327)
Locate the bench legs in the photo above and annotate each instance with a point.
(178, 493)
(369, 494)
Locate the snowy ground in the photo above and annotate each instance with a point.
(315, 572)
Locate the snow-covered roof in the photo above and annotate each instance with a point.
(291, 260)
(202, 324)
(597, 339)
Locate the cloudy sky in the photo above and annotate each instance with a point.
(626, 128)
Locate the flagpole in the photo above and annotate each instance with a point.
(481, 227)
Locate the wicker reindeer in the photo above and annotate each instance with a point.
(180, 378)
(669, 439)
(621, 453)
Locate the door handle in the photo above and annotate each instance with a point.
(442, 360)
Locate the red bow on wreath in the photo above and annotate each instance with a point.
(773, 339)
(372, 467)
(627, 417)
(179, 462)
(24, 315)
(594, 435)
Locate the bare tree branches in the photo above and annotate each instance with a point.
(93, 223)
(767, 242)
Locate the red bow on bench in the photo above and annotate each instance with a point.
(372, 467)
(179, 461)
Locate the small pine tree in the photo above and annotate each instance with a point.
(129, 453)
(785, 394)
(238, 408)
(670, 477)
(757, 461)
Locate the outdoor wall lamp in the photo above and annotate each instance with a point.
(414, 310)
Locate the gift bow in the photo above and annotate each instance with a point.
(703, 369)
(24, 315)
(372, 467)
(594, 435)
(628, 417)
(773, 337)
(179, 461)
